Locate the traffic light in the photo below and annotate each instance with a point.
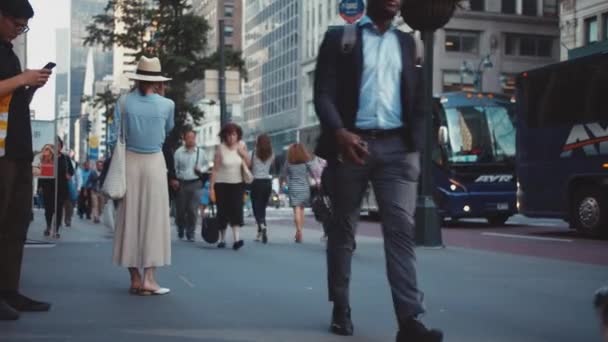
(88, 125)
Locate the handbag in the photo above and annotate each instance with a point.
(210, 229)
(115, 183)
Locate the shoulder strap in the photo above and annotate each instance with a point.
(122, 102)
(349, 38)
(197, 153)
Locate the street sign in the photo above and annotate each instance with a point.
(351, 10)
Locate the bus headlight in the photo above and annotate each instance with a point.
(456, 186)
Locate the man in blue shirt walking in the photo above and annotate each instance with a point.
(368, 100)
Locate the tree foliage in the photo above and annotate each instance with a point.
(168, 30)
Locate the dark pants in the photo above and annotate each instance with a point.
(15, 211)
(48, 191)
(393, 172)
(260, 195)
(84, 203)
(229, 201)
(188, 197)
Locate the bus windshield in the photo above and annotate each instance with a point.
(480, 134)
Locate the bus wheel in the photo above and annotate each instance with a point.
(590, 212)
(498, 220)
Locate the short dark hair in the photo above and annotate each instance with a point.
(228, 128)
(16, 9)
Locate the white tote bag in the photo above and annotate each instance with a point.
(115, 184)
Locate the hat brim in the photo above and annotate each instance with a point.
(147, 78)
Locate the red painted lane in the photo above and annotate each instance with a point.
(594, 252)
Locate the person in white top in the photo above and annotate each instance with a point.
(227, 187)
(190, 163)
(261, 188)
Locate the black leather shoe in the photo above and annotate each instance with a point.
(7, 313)
(237, 245)
(414, 331)
(20, 302)
(341, 323)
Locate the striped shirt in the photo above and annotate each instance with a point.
(261, 169)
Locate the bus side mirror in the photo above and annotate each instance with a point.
(443, 135)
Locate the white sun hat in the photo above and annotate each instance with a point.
(148, 69)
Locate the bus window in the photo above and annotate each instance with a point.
(566, 96)
(480, 134)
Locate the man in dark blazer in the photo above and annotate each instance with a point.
(368, 98)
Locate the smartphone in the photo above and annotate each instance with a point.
(49, 65)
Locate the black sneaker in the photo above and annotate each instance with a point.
(264, 235)
(341, 323)
(20, 302)
(414, 330)
(237, 245)
(190, 237)
(7, 312)
(221, 245)
(180, 235)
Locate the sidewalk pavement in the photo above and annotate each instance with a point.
(277, 293)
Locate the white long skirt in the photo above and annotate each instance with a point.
(143, 227)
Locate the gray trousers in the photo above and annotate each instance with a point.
(393, 173)
(188, 198)
(15, 212)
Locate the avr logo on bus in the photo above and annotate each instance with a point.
(592, 138)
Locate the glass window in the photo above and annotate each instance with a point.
(527, 46)
(461, 41)
(477, 5)
(549, 101)
(529, 7)
(508, 6)
(550, 8)
(605, 20)
(228, 11)
(457, 81)
(545, 47)
(591, 30)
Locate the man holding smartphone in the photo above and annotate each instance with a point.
(15, 158)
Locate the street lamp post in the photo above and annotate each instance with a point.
(466, 68)
(427, 16)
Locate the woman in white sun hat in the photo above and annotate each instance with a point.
(142, 238)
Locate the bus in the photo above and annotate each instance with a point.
(562, 143)
(474, 159)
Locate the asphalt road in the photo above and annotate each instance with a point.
(277, 292)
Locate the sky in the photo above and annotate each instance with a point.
(49, 15)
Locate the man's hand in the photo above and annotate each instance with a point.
(351, 146)
(35, 78)
(174, 183)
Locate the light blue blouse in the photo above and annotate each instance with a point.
(149, 119)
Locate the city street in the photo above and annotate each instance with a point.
(523, 282)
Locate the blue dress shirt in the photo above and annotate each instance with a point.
(149, 119)
(380, 94)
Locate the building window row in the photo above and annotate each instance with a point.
(515, 44)
(528, 7)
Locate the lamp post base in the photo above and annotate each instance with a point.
(428, 227)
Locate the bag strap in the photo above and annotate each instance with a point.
(349, 38)
(122, 103)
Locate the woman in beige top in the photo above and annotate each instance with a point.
(227, 187)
